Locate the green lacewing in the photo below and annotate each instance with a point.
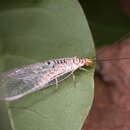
(20, 82)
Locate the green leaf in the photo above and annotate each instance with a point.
(36, 31)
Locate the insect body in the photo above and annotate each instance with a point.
(20, 82)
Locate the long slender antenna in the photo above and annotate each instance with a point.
(111, 59)
(125, 36)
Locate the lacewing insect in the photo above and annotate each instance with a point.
(23, 81)
(20, 82)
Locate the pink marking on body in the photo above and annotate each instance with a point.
(83, 61)
(80, 61)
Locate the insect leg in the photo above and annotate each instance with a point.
(81, 68)
(56, 82)
(73, 77)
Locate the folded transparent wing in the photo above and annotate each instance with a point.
(19, 82)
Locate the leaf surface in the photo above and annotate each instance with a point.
(34, 31)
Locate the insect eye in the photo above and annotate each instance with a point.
(89, 62)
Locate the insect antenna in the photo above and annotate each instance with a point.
(112, 59)
(95, 60)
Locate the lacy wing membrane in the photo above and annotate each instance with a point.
(19, 82)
